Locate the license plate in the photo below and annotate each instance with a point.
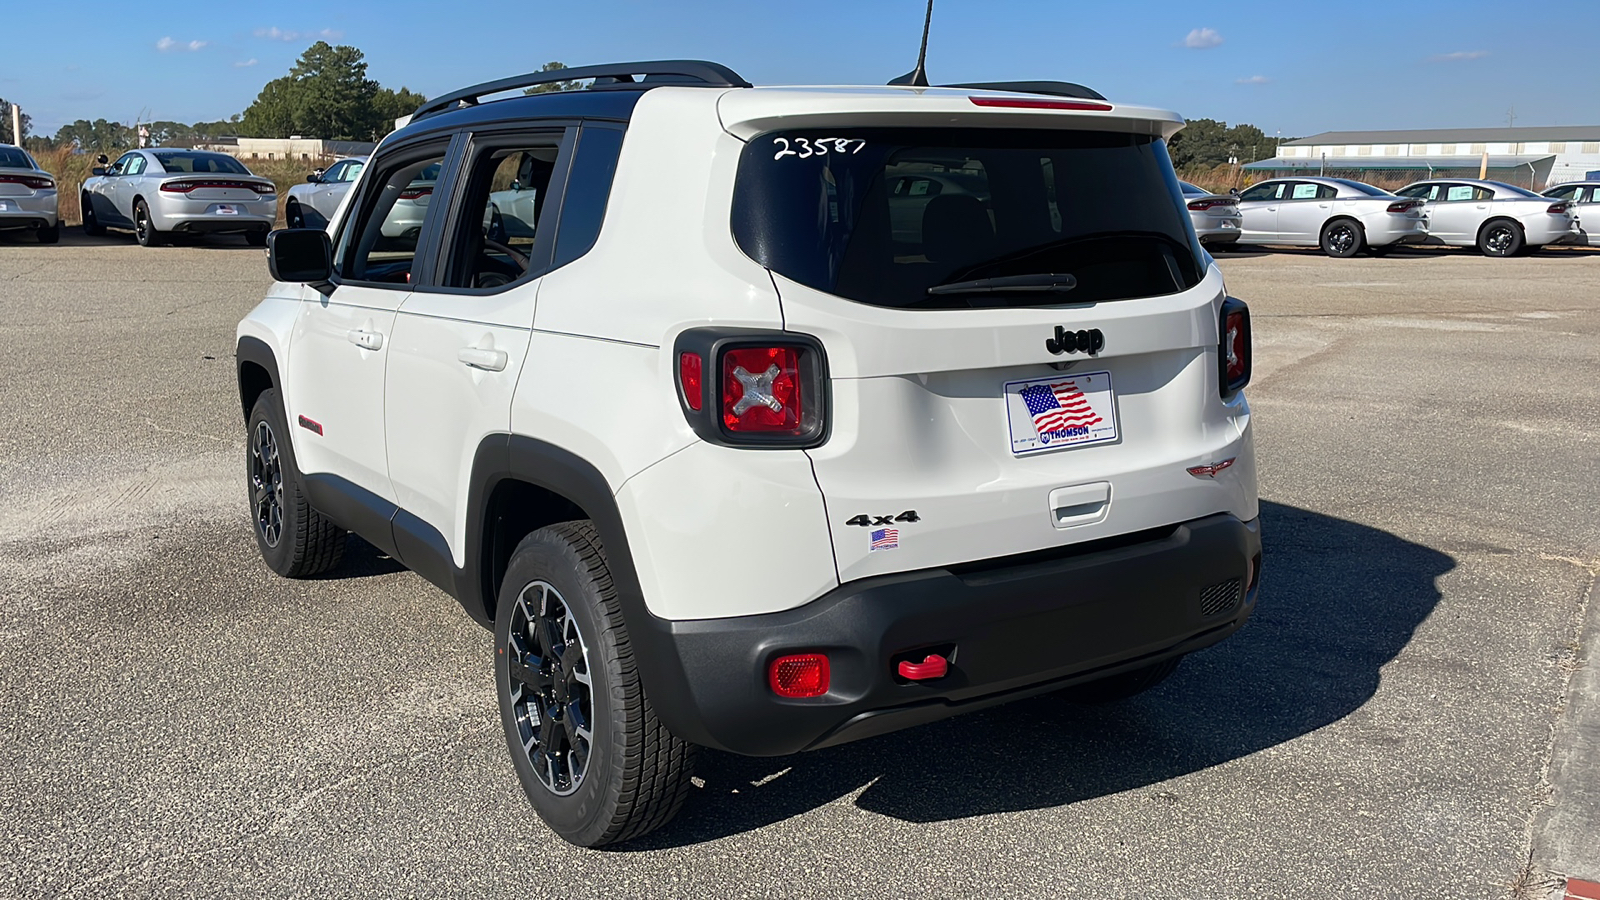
(1066, 410)
(226, 210)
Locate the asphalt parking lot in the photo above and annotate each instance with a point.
(1398, 720)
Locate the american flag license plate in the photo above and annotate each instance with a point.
(1067, 410)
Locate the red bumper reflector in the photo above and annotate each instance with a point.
(799, 675)
(934, 666)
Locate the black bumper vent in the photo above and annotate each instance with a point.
(1219, 598)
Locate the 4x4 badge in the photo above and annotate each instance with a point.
(1090, 342)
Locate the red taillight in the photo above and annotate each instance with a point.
(1403, 206)
(1560, 209)
(1209, 203)
(1233, 364)
(799, 675)
(184, 187)
(415, 193)
(30, 181)
(1032, 103)
(689, 365)
(761, 391)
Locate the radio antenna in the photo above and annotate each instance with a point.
(918, 77)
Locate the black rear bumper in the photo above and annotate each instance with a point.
(1011, 627)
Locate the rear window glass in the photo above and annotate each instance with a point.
(12, 158)
(1503, 190)
(201, 162)
(880, 216)
(1363, 187)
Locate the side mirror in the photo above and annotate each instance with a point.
(1233, 191)
(102, 159)
(97, 170)
(314, 177)
(303, 255)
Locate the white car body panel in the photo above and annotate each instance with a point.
(23, 206)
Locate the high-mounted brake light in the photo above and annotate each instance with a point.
(31, 181)
(1233, 350)
(184, 187)
(1033, 103)
(1404, 206)
(761, 390)
(799, 675)
(689, 367)
(1210, 203)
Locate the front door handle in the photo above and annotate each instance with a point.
(481, 358)
(366, 340)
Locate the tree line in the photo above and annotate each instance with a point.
(1207, 142)
(326, 95)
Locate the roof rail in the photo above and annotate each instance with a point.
(1056, 88)
(612, 76)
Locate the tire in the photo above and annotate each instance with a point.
(628, 775)
(91, 225)
(1500, 237)
(295, 540)
(49, 235)
(255, 238)
(293, 216)
(1343, 238)
(1122, 685)
(144, 230)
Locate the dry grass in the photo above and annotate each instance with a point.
(72, 169)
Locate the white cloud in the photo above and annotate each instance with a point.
(1202, 39)
(1254, 79)
(1458, 56)
(245, 64)
(278, 34)
(168, 45)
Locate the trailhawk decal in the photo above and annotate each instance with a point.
(1061, 411)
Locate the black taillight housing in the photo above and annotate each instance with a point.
(743, 387)
(1233, 347)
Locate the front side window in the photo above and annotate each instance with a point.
(1420, 191)
(335, 174)
(352, 171)
(379, 245)
(121, 165)
(845, 211)
(1562, 193)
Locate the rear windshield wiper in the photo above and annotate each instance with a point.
(1042, 282)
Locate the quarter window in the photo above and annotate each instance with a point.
(583, 205)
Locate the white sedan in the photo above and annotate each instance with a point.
(1499, 219)
(1341, 216)
(159, 193)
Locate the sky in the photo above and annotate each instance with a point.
(1293, 69)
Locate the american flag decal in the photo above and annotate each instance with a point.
(885, 539)
(1058, 407)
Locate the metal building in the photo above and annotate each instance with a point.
(1535, 157)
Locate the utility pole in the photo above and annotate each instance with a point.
(1511, 117)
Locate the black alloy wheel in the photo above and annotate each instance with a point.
(266, 484)
(552, 693)
(1342, 238)
(144, 230)
(293, 216)
(1500, 238)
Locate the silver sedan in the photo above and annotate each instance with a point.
(1499, 219)
(1215, 217)
(312, 205)
(27, 196)
(1585, 199)
(161, 192)
(1341, 216)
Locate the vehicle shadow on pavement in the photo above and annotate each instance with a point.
(361, 560)
(1339, 600)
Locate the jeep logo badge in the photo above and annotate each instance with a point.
(1090, 342)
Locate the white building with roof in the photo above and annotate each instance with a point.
(1533, 156)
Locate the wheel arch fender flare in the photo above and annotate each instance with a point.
(504, 457)
(253, 360)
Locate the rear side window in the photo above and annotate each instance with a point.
(880, 216)
(583, 207)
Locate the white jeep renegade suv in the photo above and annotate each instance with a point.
(765, 419)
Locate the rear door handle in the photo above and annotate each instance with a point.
(366, 340)
(480, 358)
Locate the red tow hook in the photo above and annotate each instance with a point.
(935, 666)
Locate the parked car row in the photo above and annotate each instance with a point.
(159, 193)
(1346, 217)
